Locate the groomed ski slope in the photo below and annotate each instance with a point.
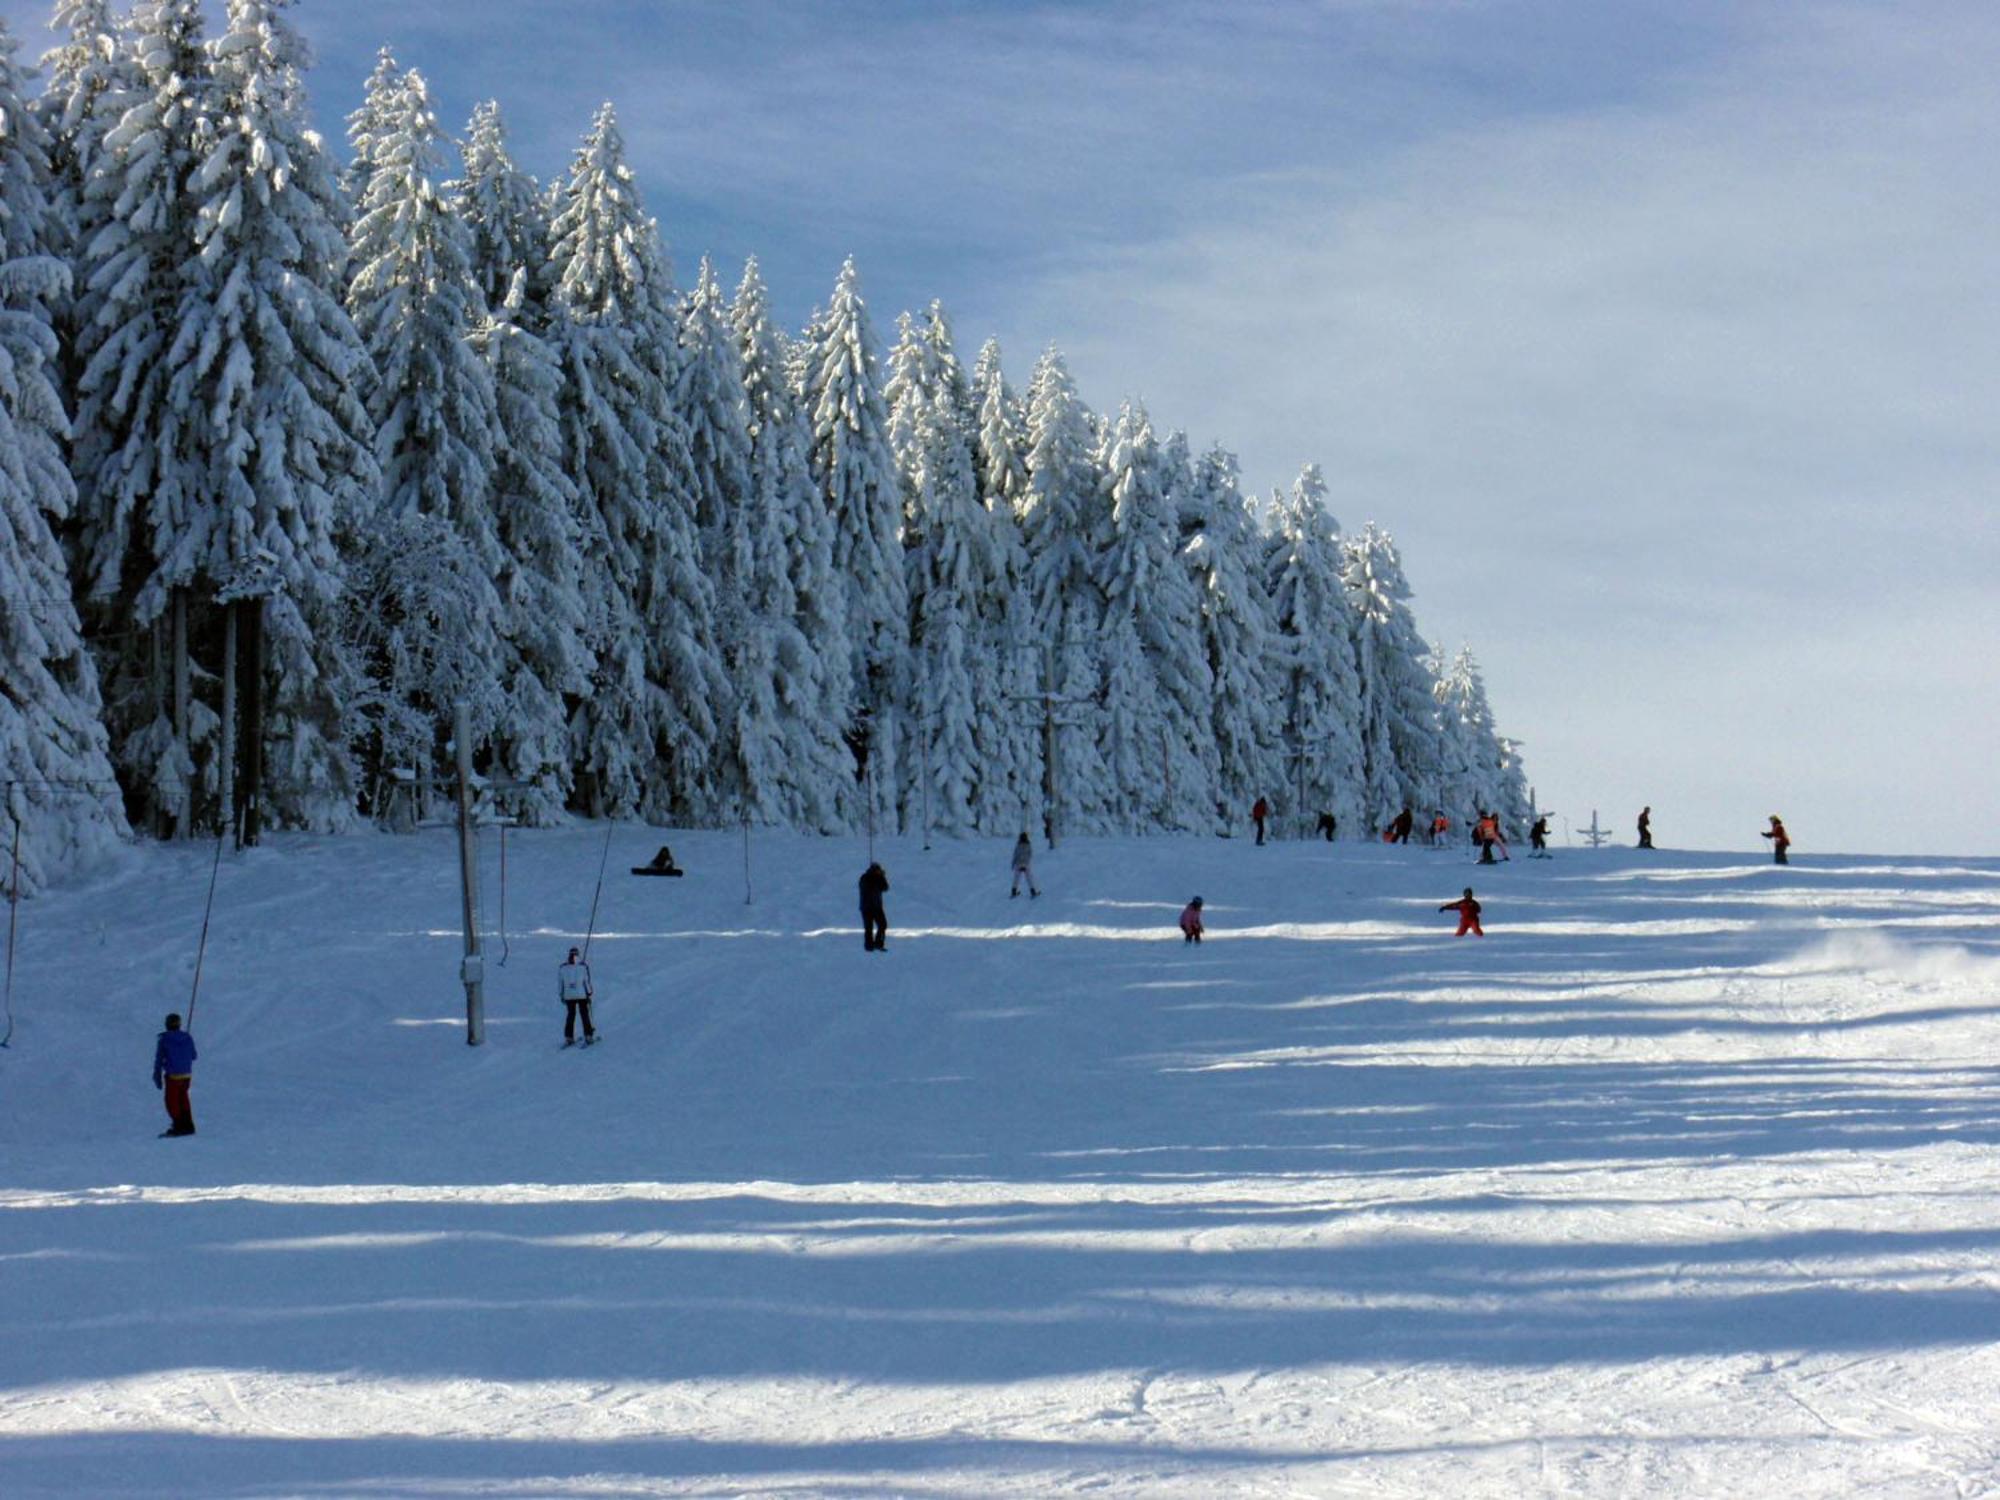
(1684, 1181)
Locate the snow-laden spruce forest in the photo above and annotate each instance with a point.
(295, 455)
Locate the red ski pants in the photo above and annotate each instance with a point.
(179, 1110)
(1467, 922)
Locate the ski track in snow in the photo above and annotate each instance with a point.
(1679, 1183)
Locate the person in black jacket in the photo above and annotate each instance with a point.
(874, 920)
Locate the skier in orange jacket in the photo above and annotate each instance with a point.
(1468, 915)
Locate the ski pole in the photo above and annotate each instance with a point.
(201, 948)
(591, 930)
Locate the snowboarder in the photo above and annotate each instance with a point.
(1191, 928)
(874, 920)
(1258, 814)
(173, 1075)
(1487, 832)
(1024, 858)
(1538, 837)
(1398, 831)
(1327, 826)
(1645, 828)
(1780, 840)
(1468, 915)
(574, 989)
(663, 864)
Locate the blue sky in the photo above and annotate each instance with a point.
(1664, 336)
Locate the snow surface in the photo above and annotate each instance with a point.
(1681, 1182)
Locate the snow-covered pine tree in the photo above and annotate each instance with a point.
(1400, 748)
(950, 571)
(645, 736)
(58, 790)
(1010, 741)
(142, 516)
(1224, 554)
(1488, 770)
(91, 78)
(855, 469)
(750, 768)
(508, 219)
(371, 123)
(534, 502)
(1066, 605)
(1321, 748)
(430, 395)
(907, 396)
(787, 549)
(1155, 735)
(277, 448)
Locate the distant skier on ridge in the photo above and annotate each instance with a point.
(1646, 828)
(1780, 840)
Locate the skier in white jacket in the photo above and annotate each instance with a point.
(573, 987)
(1024, 858)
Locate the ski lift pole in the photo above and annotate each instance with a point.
(470, 967)
(201, 948)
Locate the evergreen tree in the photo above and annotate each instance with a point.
(711, 400)
(1401, 753)
(508, 220)
(786, 549)
(1010, 745)
(143, 515)
(1223, 553)
(430, 395)
(1157, 689)
(60, 794)
(855, 469)
(1065, 605)
(1486, 772)
(950, 574)
(646, 733)
(1319, 685)
(263, 370)
(540, 582)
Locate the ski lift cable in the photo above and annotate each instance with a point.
(201, 948)
(610, 827)
(13, 911)
(503, 895)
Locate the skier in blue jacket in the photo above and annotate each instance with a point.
(173, 1075)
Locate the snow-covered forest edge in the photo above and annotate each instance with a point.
(296, 455)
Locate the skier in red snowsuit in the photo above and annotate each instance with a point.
(1468, 915)
(1258, 814)
(1780, 840)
